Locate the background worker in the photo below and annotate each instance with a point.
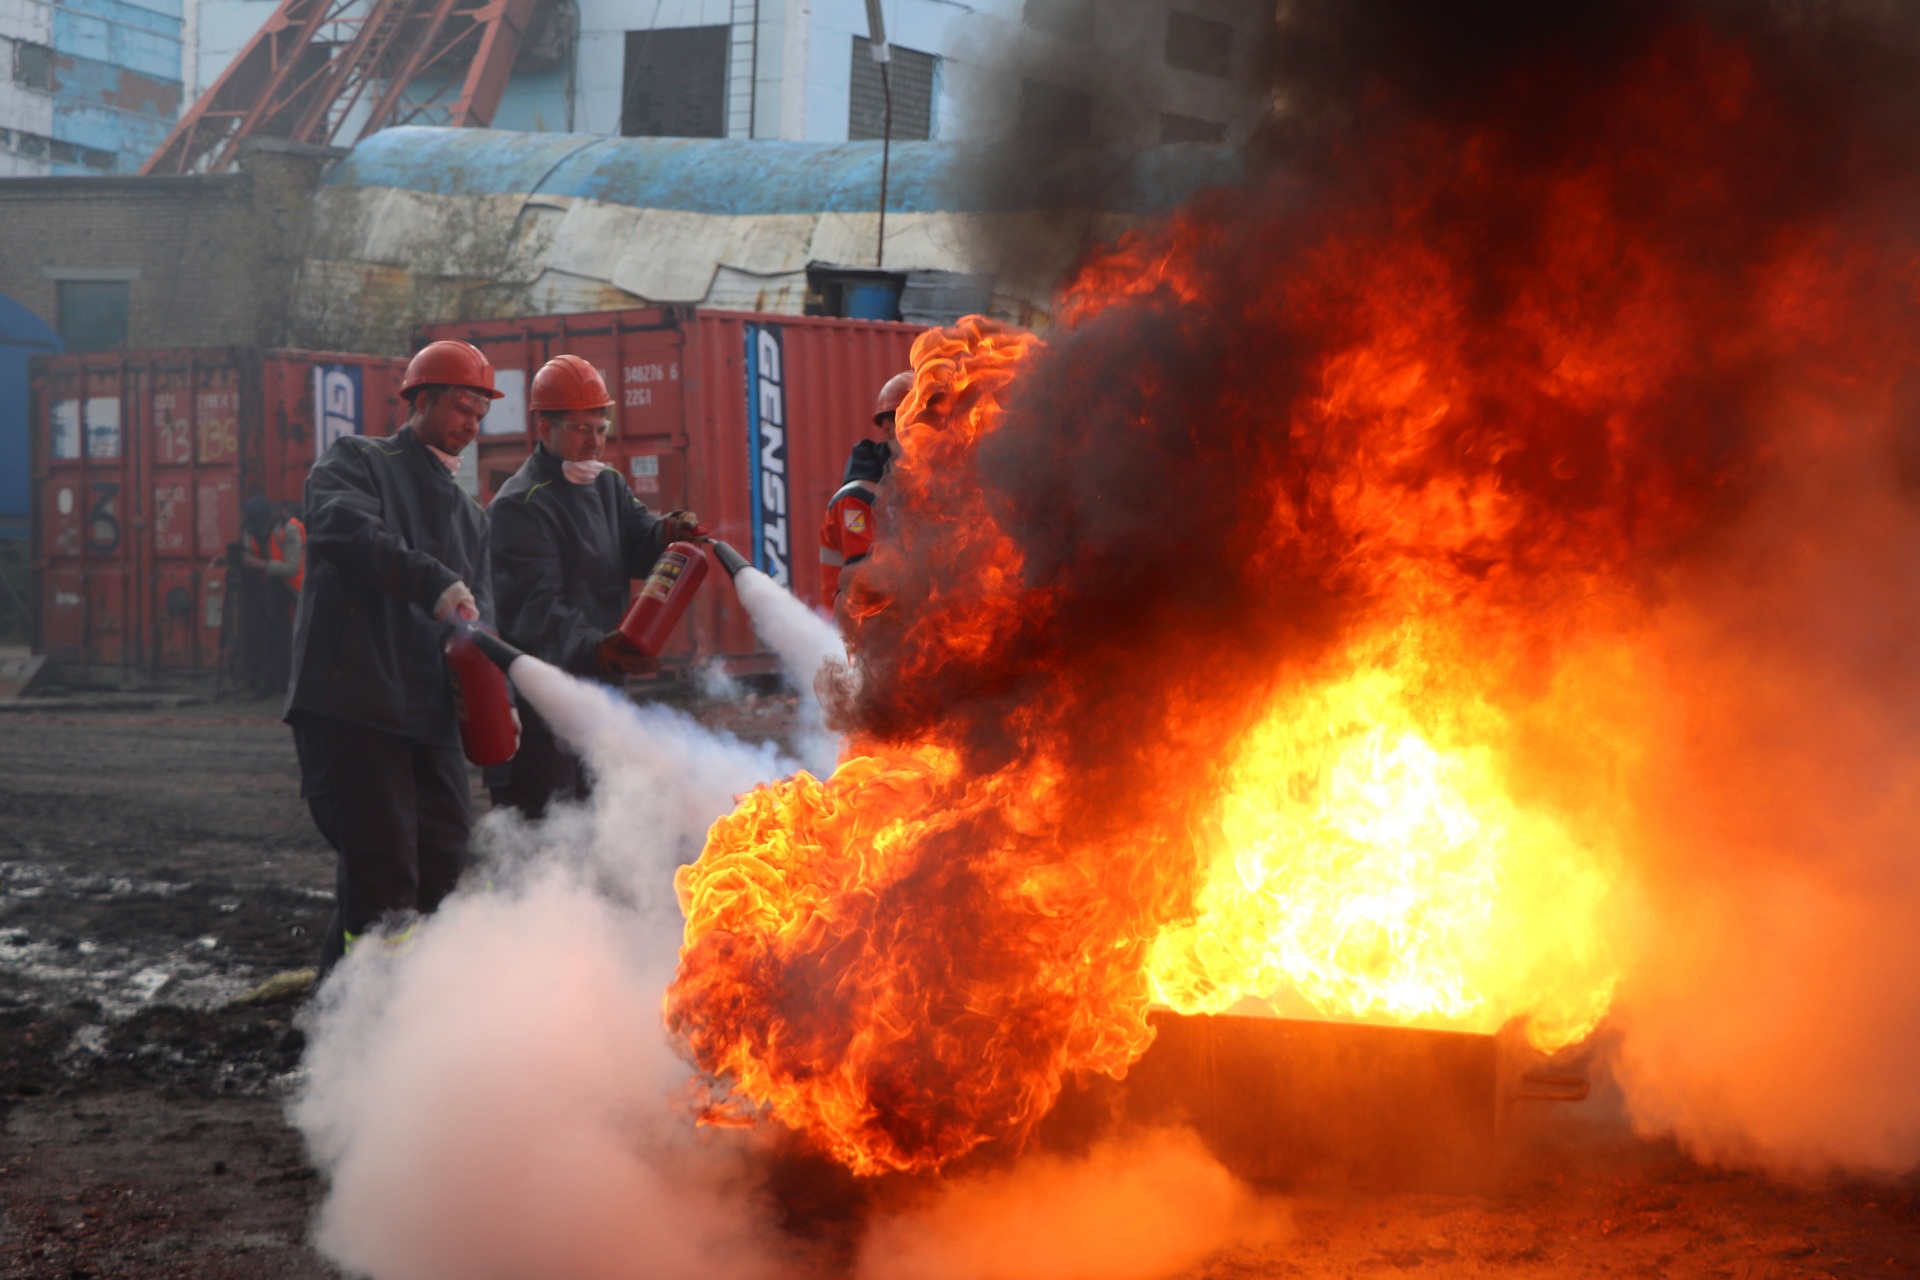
(567, 536)
(272, 563)
(396, 552)
(848, 532)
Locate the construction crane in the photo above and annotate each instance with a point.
(320, 70)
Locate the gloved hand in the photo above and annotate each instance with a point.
(455, 602)
(683, 526)
(617, 656)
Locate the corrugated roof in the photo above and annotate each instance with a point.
(749, 177)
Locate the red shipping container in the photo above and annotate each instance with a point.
(141, 461)
(744, 417)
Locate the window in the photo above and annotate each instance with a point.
(1052, 111)
(913, 76)
(675, 84)
(1175, 128)
(1068, 19)
(93, 314)
(33, 65)
(41, 147)
(71, 153)
(1195, 44)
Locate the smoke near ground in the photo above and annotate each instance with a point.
(498, 1100)
(1150, 1206)
(494, 1094)
(1774, 1014)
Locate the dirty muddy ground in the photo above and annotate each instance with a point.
(157, 863)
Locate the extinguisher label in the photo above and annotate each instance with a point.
(336, 405)
(666, 572)
(767, 454)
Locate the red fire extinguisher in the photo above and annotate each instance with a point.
(668, 591)
(477, 662)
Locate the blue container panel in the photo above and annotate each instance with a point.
(23, 335)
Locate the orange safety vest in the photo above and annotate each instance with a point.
(277, 551)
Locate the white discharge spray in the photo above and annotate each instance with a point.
(804, 642)
(497, 1095)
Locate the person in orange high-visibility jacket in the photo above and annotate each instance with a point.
(274, 555)
(853, 515)
(287, 553)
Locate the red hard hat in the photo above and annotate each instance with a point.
(568, 382)
(452, 363)
(892, 394)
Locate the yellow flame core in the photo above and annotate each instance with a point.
(1356, 863)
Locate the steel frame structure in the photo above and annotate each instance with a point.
(319, 67)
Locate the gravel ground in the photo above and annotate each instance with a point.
(154, 864)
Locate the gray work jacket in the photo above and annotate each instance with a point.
(563, 554)
(388, 531)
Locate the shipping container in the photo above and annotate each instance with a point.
(744, 417)
(141, 461)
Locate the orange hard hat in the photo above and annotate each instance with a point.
(568, 382)
(892, 394)
(451, 363)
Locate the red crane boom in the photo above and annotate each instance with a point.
(320, 70)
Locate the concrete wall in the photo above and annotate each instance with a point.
(208, 260)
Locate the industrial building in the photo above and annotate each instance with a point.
(95, 87)
(90, 87)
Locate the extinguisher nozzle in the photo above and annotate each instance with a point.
(732, 561)
(498, 651)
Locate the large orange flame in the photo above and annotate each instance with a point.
(1342, 717)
